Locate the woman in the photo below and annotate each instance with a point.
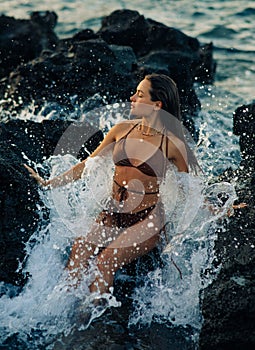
(141, 148)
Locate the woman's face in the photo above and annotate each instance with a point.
(141, 103)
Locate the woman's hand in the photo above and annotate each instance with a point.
(36, 176)
(239, 206)
(236, 206)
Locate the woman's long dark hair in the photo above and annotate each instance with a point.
(164, 89)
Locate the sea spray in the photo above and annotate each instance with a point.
(172, 294)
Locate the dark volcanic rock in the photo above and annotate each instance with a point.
(244, 127)
(162, 49)
(146, 36)
(82, 70)
(22, 40)
(229, 302)
(19, 217)
(129, 28)
(19, 196)
(110, 63)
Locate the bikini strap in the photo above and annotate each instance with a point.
(161, 143)
(162, 138)
(125, 136)
(167, 146)
(122, 191)
(166, 156)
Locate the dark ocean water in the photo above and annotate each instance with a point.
(169, 309)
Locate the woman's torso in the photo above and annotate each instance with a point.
(140, 164)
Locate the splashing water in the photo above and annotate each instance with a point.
(45, 307)
(172, 293)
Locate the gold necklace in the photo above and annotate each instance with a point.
(139, 127)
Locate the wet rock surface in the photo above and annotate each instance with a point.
(109, 62)
(228, 304)
(22, 40)
(31, 143)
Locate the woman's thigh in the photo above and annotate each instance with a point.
(104, 230)
(136, 240)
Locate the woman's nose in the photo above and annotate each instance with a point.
(132, 98)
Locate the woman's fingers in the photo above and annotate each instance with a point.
(36, 176)
(240, 205)
(32, 172)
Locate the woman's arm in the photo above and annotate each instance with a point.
(236, 206)
(76, 171)
(230, 210)
(72, 174)
(178, 154)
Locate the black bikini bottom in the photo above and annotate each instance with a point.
(112, 218)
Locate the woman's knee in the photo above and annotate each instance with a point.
(82, 251)
(110, 260)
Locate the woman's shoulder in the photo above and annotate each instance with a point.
(123, 127)
(174, 141)
(172, 137)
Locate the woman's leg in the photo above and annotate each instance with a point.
(88, 247)
(131, 244)
(82, 251)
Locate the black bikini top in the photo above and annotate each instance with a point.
(154, 166)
